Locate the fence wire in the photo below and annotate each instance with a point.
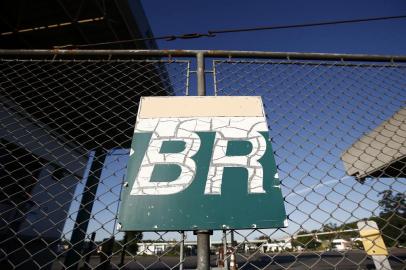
(338, 130)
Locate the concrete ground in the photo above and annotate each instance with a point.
(305, 260)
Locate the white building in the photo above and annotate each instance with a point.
(277, 246)
(156, 248)
(341, 244)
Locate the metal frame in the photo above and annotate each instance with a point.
(212, 53)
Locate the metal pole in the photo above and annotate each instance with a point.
(203, 250)
(203, 237)
(122, 257)
(381, 262)
(74, 255)
(211, 53)
(373, 243)
(225, 249)
(90, 250)
(182, 251)
(233, 245)
(201, 82)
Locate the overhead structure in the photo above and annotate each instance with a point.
(61, 23)
(54, 112)
(381, 152)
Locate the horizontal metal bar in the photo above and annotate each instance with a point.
(213, 53)
(323, 233)
(336, 63)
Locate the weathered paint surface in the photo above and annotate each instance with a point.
(201, 172)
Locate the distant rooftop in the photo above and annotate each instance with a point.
(380, 153)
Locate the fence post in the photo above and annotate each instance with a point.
(225, 249)
(90, 249)
(123, 250)
(182, 251)
(74, 255)
(201, 80)
(203, 249)
(203, 237)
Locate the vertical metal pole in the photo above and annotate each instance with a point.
(232, 238)
(187, 78)
(203, 237)
(214, 79)
(381, 262)
(373, 243)
(225, 249)
(105, 254)
(233, 256)
(182, 251)
(201, 80)
(74, 255)
(203, 250)
(90, 250)
(122, 257)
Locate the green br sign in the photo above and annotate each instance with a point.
(201, 163)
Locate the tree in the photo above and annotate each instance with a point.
(306, 241)
(391, 220)
(393, 203)
(131, 238)
(329, 227)
(263, 237)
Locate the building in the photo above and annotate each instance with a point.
(190, 247)
(36, 185)
(381, 152)
(52, 130)
(278, 246)
(341, 244)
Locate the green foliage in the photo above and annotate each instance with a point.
(173, 251)
(263, 237)
(358, 245)
(392, 219)
(393, 203)
(131, 238)
(330, 227)
(307, 242)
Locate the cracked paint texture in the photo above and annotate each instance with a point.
(201, 163)
(184, 129)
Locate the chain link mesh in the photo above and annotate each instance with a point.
(317, 111)
(67, 124)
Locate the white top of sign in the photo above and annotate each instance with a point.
(192, 106)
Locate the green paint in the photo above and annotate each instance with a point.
(172, 147)
(190, 209)
(165, 172)
(238, 148)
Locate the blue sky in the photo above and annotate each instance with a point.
(304, 164)
(182, 16)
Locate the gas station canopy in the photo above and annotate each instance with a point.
(380, 153)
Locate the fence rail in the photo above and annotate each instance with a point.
(338, 129)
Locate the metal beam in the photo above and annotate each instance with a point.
(74, 21)
(213, 53)
(74, 254)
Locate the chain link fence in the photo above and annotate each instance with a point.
(338, 129)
